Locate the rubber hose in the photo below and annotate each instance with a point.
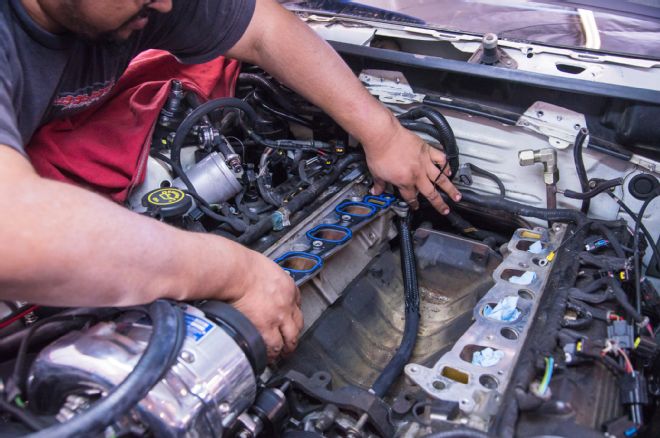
(458, 433)
(600, 188)
(10, 344)
(498, 203)
(273, 91)
(411, 290)
(152, 366)
(579, 166)
(461, 224)
(444, 129)
(421, 127)
(199, 112)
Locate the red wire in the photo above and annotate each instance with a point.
(18, 316)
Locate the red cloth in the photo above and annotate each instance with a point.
(104, 148)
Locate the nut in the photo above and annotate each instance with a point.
(526, 157)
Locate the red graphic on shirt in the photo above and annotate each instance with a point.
(80, 98)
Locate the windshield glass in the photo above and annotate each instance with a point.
(621, 26)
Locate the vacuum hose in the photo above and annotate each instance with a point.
(442, 127)
(411, 290)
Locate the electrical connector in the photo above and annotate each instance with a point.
(645, 347)
(596, 243)
(622, 334)
(633, 389)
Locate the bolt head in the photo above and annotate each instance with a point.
(187, 356)
(317, 244)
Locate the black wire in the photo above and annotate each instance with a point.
(25, 417)
(490, 175)
(600, 188)
(579, 165)
(649, 239)
(638, 222)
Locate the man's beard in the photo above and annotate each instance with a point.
(77, 24)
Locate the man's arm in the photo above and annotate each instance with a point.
(289, 50)
(65, 246)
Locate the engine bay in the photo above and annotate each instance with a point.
(521, 313)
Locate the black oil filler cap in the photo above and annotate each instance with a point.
(642, 186)
(167, 202)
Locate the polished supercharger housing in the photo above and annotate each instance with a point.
(212, 381)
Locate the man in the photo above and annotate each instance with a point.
(64, 246)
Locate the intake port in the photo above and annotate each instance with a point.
(358, 210)
(299, 262)
(505, 310)
(327, 233)
(480, 355)
(532, 246)
(516, 276)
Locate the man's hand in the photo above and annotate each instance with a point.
(408, 162)
(276, 40)
(271, 300)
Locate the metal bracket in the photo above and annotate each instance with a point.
(559, 124)
(390, 87)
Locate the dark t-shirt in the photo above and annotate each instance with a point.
(45, 76)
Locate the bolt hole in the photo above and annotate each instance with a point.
(439, 385)
(509, 333)
(488, 381)
(525, 294)
(530, 55)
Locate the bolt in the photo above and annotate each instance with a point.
(345, 218)
(317, 244)
(187, 356)
(224, 408)
(576, 127)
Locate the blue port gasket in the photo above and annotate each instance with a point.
(340, 209)
(346, 238)
(379, 201)
(318, 260)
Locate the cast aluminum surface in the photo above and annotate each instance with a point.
(325, 286)
(211, 383)
(477, 389)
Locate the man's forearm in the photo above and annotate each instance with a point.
(289, 50)
(64, 246)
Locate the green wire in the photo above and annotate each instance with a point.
(545, 382)
(19, 402)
